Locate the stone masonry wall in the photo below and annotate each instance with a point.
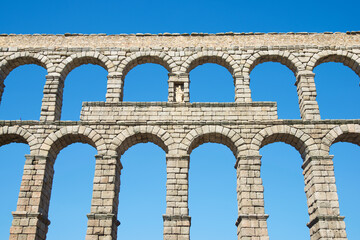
(178, 126)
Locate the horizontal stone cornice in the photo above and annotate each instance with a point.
(251, 217)
(105, 216)
(23, 214)
(176, 218)
(327, 218)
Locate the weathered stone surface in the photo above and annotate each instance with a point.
(178, 126)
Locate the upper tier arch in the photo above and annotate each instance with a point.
(23, 58)
(16, 134)
(78, 59)
(349, 59)
(221, 58)
(285, 58)
(139, 58)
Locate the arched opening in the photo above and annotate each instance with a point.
(272, 81)
(285, 200)
(72, 190)
(84, 83)
(211, 82)
(142, 199)
(212, 192)
(346, 168)
(145, 83)
(22, 95)
(338, 91)
(12, 160)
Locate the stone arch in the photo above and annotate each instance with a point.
(139, 58)
(220, 58)
(16, 134)
(65, 136)
(349, 59)
(23, 58)
(285, 58)
(215, 134)
(141, 134)
(88, 57)
(301, 141)
(343, 133)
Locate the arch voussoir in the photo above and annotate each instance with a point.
(141, 134)
(65, 136)
(283, 57)
(215, 134)
(283, 133)
(17, 134)
(217, 57)
(349, 59)
(77, 59)
(139, 58)
(342, 133)
(23, 58)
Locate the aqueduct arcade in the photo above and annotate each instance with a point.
(178, 126)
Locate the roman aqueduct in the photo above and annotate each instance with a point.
(178, 126)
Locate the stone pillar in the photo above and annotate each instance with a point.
(323, 205)
(178, 87)
(30, 220)
(115, 88)
(242, 88)
(102, 219)
(52, 99)
(251, 222)
(177, 220)
(305, 83)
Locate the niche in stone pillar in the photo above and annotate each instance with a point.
(179, 92)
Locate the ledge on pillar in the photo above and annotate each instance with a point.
(251, 217)
(325, 222)
(177, 227)
(28, 225)
(327, 227)
(304, 73)
(252, 226)
(103, 216)
(316, 159)
(248, 160)
(103, 225)
(177, 218)
(24, 214)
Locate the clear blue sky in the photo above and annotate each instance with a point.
(212, 193)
